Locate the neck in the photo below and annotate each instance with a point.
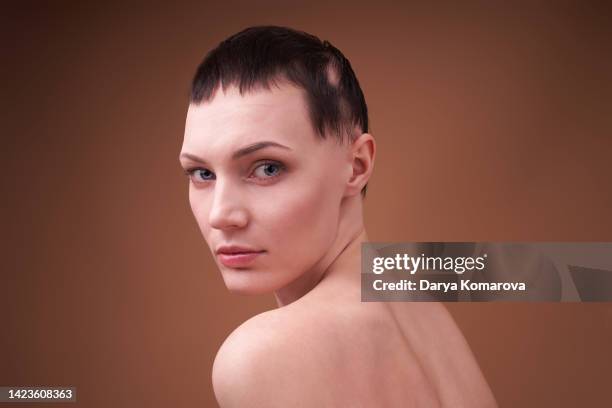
(343, 257)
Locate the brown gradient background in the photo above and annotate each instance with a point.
(493, 122)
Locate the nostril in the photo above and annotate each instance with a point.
(228, 219)
(227, 209)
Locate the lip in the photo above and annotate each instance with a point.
(237, 256)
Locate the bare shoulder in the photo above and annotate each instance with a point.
(312, 355)
(270, 360)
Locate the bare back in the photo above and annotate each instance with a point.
(398, 353)
(349, 353)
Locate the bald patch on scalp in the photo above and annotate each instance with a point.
(333, 77)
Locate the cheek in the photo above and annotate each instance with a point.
(199, 208)
(302, 221)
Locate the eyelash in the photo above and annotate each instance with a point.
(191, 171)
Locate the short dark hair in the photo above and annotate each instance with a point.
(260, 55)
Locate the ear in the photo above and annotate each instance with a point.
(362, 154)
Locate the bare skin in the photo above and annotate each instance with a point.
(322, 347)
(327, 348)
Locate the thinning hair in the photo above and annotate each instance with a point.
(260, 56)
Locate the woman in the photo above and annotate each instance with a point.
(278, 154)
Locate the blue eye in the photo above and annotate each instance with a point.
(200, 175)
(264, 171)
(268, 170)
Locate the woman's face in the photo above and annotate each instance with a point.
(265, 189)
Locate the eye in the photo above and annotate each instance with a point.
(200, 175)
(268, 170)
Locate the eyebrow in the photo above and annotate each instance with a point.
(242, 151)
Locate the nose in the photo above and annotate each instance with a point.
(227, 210)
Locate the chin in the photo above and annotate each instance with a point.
(246, 290)
(246, 282)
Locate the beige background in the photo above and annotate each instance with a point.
(493, 123)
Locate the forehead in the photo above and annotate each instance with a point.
(231, 120)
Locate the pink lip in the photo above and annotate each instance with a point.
(238, 259)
